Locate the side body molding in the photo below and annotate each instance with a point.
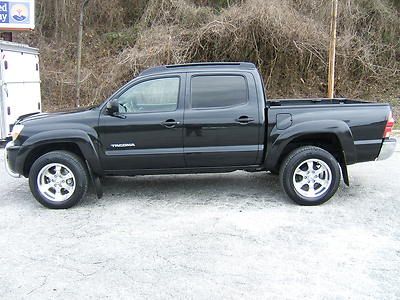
(279, 139)
(84, 139)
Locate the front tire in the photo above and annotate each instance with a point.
(58, 179)
(310, 175)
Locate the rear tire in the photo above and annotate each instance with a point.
(58, 179)
(310, 175)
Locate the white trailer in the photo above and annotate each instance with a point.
(19, 84)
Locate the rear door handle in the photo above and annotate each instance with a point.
(244, 120)
(170, 123)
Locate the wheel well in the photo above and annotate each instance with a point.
(41, 150)
(326, 141)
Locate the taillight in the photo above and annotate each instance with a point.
(389, 126)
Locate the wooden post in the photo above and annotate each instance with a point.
(332, 51)
(79, 54)
(57, 13)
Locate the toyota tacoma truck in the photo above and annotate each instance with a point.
(199, 118)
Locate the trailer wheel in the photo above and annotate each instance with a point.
(58, 179)
(310, 175)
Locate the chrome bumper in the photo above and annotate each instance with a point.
(388, 148)
(11, 173)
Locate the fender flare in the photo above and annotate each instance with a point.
(284, 137)
(84, 140)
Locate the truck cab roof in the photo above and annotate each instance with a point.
(203, 66)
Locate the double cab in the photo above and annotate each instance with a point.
(199, 118)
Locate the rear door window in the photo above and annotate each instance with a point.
(218, 91)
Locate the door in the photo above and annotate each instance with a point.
(20, 87)
(222, 120)
(148, 132)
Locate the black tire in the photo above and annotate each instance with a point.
(74, 164)
(297, 159)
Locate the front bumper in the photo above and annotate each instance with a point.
(10, 158)
(388, 148)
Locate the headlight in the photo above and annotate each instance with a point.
(16, 131)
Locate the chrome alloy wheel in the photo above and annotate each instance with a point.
(312, 178)
(56, 182)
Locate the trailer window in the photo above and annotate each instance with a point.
(218, 91)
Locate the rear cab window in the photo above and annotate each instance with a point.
(218, 91)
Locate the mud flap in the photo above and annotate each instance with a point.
(345, 174)
(96, 182)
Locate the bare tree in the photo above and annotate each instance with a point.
(79, 53)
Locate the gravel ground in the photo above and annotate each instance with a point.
(205, 236)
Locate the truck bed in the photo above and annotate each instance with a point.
(362, 121)
(315, 101)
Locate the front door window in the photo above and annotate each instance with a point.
(156, 95)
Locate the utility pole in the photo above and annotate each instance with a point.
(332, 51)
(79, 54)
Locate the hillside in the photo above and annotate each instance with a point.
(287, 39)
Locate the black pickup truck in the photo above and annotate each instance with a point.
(199, 118)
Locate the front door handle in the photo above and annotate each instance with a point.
(170, 123)
(243, 120)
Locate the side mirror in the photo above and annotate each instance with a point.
(112, 107)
